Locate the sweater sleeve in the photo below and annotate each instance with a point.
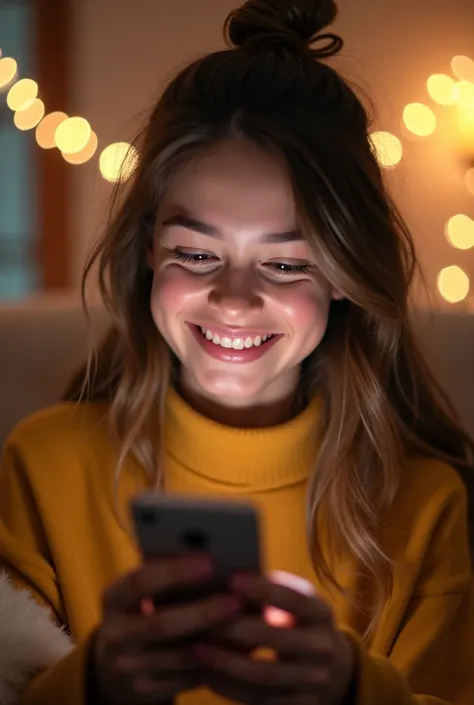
(38, 661)
(430, 662)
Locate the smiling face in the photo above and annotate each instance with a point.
(236, 291)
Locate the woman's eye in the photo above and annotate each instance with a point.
(194, 258)
(283, 268)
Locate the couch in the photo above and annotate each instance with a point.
(43, 339)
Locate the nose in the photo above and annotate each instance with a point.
(235, 295)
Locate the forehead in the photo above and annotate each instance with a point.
(235, 181)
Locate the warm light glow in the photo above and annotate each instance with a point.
(388, 148)
(463, 68)
(118, 161)
(463, 92)
(85, 154)
(22, 94)
(441, 89)
(28, 119)
(47, 127)
(470, 181)
(460, 231)
(8, 69)
(419, 119)
(72, 135)
(465, 109)
(453, 284)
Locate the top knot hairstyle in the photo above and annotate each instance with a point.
(298, 25)
(382, 404)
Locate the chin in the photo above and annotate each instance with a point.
(231, 389)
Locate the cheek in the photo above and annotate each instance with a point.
(305, 309)
(174, 290)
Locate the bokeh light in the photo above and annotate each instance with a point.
(460, 231)
(72, 135)
(28, 119)
(441, 89)
(388, 148)
(469, 179)
(453, 284)
(463, 68)
(463, 92)
(47, 128)
(85, 154)
(118, 161)
(419, 119)
(22, 94)
(8, 70)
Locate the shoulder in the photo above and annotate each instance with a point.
(428, 480)
(62, 430)
(427, 525)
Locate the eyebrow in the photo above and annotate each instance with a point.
(183, 221)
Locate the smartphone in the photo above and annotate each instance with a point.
(174, 525)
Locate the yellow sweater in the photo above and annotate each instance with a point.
(59, 538)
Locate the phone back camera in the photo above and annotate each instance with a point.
(195, 540)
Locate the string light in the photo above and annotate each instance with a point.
(28, 119)
(388, 148)
(453, 284)
(8, 70)
(460, 231)
(419, 119)
(72, 134)
(118, 161)
(22, 94)
(85, 154)
(46, 129)
(463, 68)
(442, 89)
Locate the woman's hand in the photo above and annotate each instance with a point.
(146, 655)
(313, 663)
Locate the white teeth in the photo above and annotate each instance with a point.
(235, 343)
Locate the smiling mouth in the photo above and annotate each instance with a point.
(234, 343)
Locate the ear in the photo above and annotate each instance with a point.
(336, 295)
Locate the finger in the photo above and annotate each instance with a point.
(153, 578)
(251, 632)
(265, 674)
(168, 624)
(164, 662)
(307, 609)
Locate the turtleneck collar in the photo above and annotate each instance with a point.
(242, 460)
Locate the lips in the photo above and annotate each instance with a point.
(233, 345)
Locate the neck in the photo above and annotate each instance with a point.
(257, 415)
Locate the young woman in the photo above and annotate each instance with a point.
(257, 276)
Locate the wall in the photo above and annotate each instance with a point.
(126, 51)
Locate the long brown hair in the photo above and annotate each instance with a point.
(382, 403)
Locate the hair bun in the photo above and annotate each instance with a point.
(290, 22)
